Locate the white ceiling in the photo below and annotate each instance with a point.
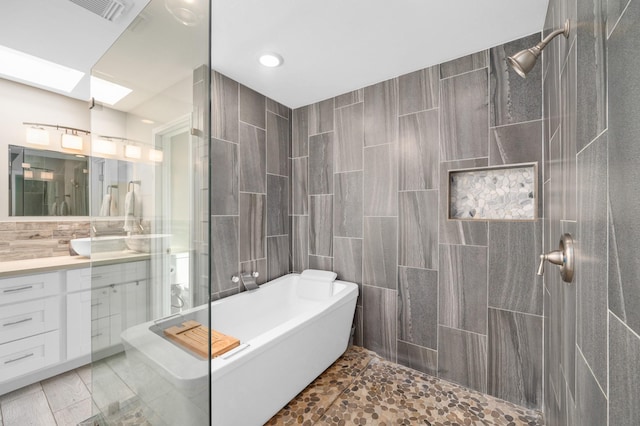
(329, 46)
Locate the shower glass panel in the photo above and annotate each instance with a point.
(149, 223)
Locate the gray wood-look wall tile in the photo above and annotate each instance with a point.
(462, 289)
(253, 159)
(379, 321)
(419, 90)
(277, 145)
(253, 226)
(568, 133)
(300, 132)
(224, 252)
(591, 71)
(417, 307)
(614, 11)
(514, 99)
(418, 236)
(321, 164)
(591, 259)
(321, 117)
(358, 337)
(465, 64)
(591, 403)
(624, 373)
(277, 257)
(252, 107)
(380, 181)
(418, 358)
(464, 116)
(224, 108)
(277, 108)
(379, 255)
(624, 165)
(347, 253)
(513, 260)
(514, 370)
(321, 225)
(419, 151)
(299, 188)
(347, 212)
(224, 178)
(462, 358)
(300, 243)
(321, 262)
(381, 113)
(459, 231)
(516, 143)
(259, 266)
(277, 205)
(349, 138)
(349, 98)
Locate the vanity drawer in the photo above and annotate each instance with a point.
(29, 287)
(28, 318)
(26, 355)
(101, 276)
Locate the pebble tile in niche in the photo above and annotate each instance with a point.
(363, 389)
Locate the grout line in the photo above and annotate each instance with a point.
(515, 312)
(502, 126)
(591, 371)
(615, 25)
(486, 67)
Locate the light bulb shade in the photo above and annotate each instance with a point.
(46, 175)
(132, 151)
(103, 146)
(70, 141)
(28, 174)
(37, 136)
(156, 155)
(523, 61)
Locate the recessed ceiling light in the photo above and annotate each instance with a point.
(31, 69)
(107, 92)
(271, 60)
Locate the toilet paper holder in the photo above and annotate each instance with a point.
(563, 257)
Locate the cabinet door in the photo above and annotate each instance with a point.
(30, 354)
(136, 300)
(79, 324)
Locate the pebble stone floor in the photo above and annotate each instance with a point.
(360, 388)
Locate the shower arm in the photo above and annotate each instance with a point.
(537, 49)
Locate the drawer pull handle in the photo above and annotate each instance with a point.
(18, 359)
(17, 322)
(96, 304)
(96, 277)
(11, 290)
(96, 335)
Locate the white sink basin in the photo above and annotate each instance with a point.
(84, 246)
(147, 243)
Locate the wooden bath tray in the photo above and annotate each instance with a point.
(195, 336)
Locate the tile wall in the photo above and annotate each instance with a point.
(591, 92)
(459, 300)
(249, 185)
(33, 240)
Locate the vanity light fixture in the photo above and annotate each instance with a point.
(26, 165)
(132, 151)
(28, 174)
(155, 155)
(71, 141)
(46, 175)
(37, 136)
(271, 60)
(103, 146)
(27, 68)
(107, 92)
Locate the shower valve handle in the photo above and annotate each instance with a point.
(562, 257)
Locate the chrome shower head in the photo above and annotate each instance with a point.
(524, 61)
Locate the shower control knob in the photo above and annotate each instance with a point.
(563, 257)
(235, 279)
(255, 274)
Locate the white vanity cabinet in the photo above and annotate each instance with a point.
(30, 318)
(101, 303)
(56, 321)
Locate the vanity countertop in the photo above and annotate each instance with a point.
(56, 263)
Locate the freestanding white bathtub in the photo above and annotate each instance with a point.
(290, 331)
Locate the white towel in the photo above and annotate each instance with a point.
(129, 211)
(106, 203)
(113, 206)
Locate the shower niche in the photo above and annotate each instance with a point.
(494, 193)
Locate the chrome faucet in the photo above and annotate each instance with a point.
(248, 280)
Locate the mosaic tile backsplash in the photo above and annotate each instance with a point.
(493, 193)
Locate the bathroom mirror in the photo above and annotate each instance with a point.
(47, 183)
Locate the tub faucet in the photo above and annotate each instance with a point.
(249, 280)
